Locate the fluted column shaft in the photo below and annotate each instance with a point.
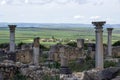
(99, 44)
(36, 51)
(109, 50)
(64, 60)
(12, 38)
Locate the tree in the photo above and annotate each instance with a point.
(117, 43)
(73, 44)
(4, 45)
(20, 44)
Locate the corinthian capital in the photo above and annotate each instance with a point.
(109, 29)
(98, 24)
(12, 27)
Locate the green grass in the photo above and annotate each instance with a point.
(27, 34)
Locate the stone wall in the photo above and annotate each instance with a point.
(116, 51)
(39, 73)
(70, 52)
(24, 56)
(9, 70)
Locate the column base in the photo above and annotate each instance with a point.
(11, 56)
(65, 70)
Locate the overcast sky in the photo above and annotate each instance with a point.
(60, 11)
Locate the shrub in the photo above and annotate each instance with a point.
(49, 77)
(54, 65)
(4, 45)
(73, 44)
(116, 43)
(88, 57)
(85, 46)
(19, 76)
(77, 67)
(93, 40)
(45, 55)
(20, 44)
(104, 44)
(43, 47)
(109, 64)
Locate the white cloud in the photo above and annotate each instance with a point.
(98, 3)
(95, 17)
(78, 17)
(26, 1)
(62, 1)
(108, 19)
(81, 1)
(38, 2)
(13, 2)
(3, 2)
(72, 11)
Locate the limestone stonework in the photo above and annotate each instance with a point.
(36, 51)
(12, 37)
(116, 51)
(24, 56)
(36, 42)
(64, 60)
(8, 70)
(109, 49)
(99, 44)
(71, 53)
(12, 28)
(80, 43)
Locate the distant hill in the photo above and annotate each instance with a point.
(56, 25)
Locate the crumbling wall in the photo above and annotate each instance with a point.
(116, 51)
(70, 52)
(24, 56)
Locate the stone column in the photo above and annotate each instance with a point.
(51, 53)
(36, 51)
(64, 62)
(80, 43)
(50, 57)
(99, 44)
(109, 49)
(12, 37)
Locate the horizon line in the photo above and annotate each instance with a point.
(52, 23)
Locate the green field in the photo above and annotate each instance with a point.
(27, 34)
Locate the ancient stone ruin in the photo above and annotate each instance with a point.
(36, 51)
(70, 52)
(109, 49)
(11, 53)
(99, 44)
(24, 56)
(27, 62)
